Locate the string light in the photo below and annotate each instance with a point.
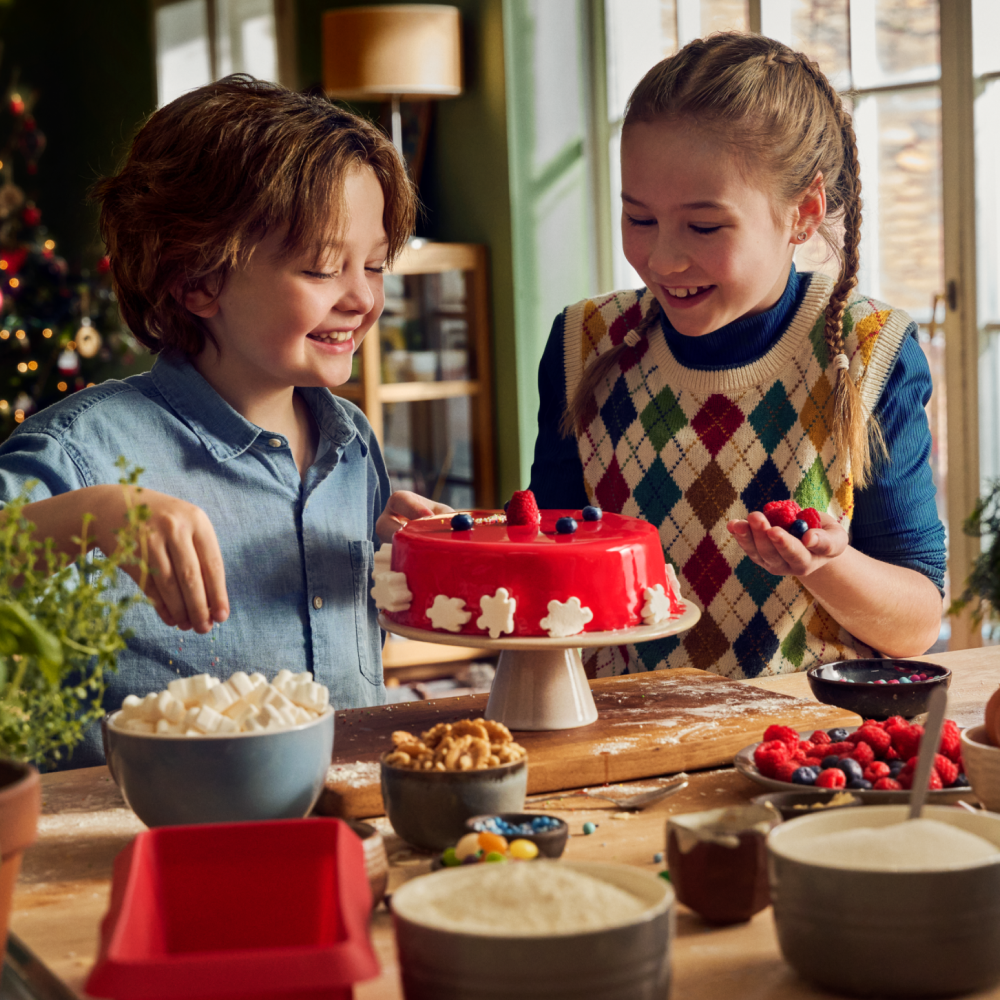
(4, 405)
(4, 334)
(22, 367)
(14, 283)
(90, 385)
(32, 366)
(50, 244)
(61, 386)
(19, 334)
(19, 416)
(46, 333)
(71, 346)
(3, 265)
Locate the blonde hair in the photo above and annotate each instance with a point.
(782, 116)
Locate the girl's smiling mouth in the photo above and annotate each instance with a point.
(332, 336)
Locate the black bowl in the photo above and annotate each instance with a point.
(791, 805)
(850, 684)
(550, 843)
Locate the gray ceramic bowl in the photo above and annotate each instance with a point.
(848, 684)
(175, 780)
(627, 962)
(428, 809)
(882, 933)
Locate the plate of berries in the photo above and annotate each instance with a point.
(874, 761)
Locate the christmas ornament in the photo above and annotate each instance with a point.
(88, 340)
(68, 363)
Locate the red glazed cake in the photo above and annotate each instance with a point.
(502, 580)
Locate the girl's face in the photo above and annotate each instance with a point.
(285, 321)
(701, 234)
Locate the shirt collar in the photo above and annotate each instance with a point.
(223, 431)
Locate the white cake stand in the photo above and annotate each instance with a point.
(540, 683)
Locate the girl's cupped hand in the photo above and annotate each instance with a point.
(782, 554)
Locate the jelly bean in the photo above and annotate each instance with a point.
(449, 858)
(658, 858)
(470, 859)
(495, 856)
(492, 843)
(905, 680)
(468, 845)
(523, 850)
(589, 828)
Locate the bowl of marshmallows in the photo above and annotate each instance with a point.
(211, 751)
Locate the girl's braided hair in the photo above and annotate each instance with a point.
(781, 116)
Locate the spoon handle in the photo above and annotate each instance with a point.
(928, 748)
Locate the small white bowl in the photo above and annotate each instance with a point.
(625, 962)
(982, 766)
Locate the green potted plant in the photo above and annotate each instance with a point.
(60, 634)
(982, 589)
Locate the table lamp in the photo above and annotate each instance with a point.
(393, 52)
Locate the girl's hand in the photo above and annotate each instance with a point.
(783, 554)
(187, 580)
(404, 506)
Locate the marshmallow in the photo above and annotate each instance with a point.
(240, 684)
(163, 726)
(139, 726)
(207, 720)
(169, 707)
(219, 698)
(282, 678)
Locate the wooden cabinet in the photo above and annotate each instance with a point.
(423, 375)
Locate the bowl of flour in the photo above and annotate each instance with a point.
(868, 903)
(535, 930)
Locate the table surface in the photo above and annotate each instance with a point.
(62, 893)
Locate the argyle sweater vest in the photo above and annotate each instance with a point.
(689, 450)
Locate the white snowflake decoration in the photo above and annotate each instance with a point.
(566, 619)
(390, 591)
(448, 613)
(657, 606)
(674, 583)
(498, 613)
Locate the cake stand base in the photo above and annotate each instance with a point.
(541, 689)
(540, 683)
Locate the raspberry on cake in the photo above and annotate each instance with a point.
(524, 579)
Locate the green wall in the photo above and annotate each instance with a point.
(92, 65)
(465, 189)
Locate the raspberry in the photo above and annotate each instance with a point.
(905, 780)
(816, 762)
(947, 769)
(786, 769)
(906, 741)
(820, 737)
(934, 783)
(891, 754)
(781, 513)
(878, 739)
(786, 734)
(522, 509)
(887, 785)
(811, 516)
(769, 755)
(951, 744)
(895, 720)
(875, 770)
(832, 777)
(808, 748)
(863, 754)
(839, 748)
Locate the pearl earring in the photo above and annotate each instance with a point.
(802, 237)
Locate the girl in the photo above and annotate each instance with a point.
(248, 231)
(731, 380)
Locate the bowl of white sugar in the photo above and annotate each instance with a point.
(869, 903)
(210, 751)
(520, 931)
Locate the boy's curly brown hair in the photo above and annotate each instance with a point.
(209, 175)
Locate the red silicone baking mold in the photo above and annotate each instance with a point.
(277, 909)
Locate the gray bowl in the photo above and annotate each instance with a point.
(175, 780)
(883, 933)
(627, 962)
(428, 809)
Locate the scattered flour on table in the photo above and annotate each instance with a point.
(355, 775)
(516, 900)
(616, 746)
(912, 846)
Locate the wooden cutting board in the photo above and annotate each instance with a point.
(649, 724)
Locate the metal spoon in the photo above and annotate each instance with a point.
(936, 705)
(637, 800)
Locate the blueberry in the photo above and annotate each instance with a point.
(837, 735)
(505, 506)
(859, 784)
(832, 761)
(895, 766)
(805, 776)
(566, 525)
(592, 513)
(797, 528)
(851, 768)
(461, 522)
(961, 781)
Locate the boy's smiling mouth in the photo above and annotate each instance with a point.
(687, 295)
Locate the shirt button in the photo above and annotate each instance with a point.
(317, 603)
(275, 442)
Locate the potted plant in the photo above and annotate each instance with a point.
(982, 589)
(60, 634)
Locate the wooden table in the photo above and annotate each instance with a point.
(63, 890)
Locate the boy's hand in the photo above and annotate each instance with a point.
(404, 506)
(783, 554)
(187, 580)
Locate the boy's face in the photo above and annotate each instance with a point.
(281, 321)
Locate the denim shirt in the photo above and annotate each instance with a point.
(298, 551)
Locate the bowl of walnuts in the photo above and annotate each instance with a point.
(434, 782)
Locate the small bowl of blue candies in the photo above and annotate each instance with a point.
(878, 688)
(547, 833)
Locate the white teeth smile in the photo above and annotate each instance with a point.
(683, 293)
(333, 337)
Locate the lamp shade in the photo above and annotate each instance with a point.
(402, 50)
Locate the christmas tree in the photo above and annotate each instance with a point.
(60, 329)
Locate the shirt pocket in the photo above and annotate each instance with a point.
(366, 625)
